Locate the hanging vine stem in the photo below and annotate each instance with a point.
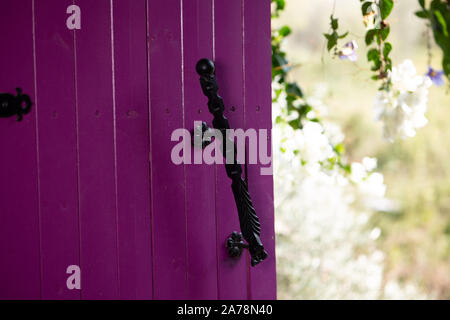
(375, 14)
(291, 92)
(333, 36)
(428, 33)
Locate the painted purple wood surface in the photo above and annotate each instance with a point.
(132, 131)
(258, 115)
(233, 274)
(57, 148)
(19, 214)
(168, 179)
(200, 178)
(98, 159)
(86, 178)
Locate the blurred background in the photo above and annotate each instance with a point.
(410, 229)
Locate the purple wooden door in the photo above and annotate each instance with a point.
(86, 178)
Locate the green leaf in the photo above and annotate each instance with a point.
(440, 19)
(334, 23)
(386, 8)
(332, 41)
(304, 110)
(279, 64)
(365, 6)
(342, 36)
(376, 65)
(422, 14)
(347, 168)
(295, 124)
(284, 31)
(441, 34)
(293, 89)
(385, 32)
(279, 120)
(422, 3)
(370, 36)
(373, 55)
(446, 65)
(388, 65)
(387, 49)
(280, 4)
(339, 148)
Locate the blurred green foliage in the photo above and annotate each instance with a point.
(437, 13)
(416, 231)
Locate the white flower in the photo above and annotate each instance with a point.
(319, 109)
(313, 144)
(333, 132)
(375, 233)
(402, 108)
(372, 187)
(369, 164)
(358, 172)
(411, 291)
(324, 248)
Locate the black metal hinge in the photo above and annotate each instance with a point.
(11, 105)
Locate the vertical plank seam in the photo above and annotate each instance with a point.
(150, 144)
(213, 35)
(215, 165)
(77, 135)
(245, 127)
(213, 30)
(184, 142)
(38, 185)
(111, 3)
(270, 126)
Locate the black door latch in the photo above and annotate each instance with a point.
(248, 220)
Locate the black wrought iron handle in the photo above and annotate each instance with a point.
(11, 105)
(248, 220)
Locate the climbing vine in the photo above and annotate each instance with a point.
(375, 14)
(396, 84)
(297, 107)
(437, 16)
(320, 197)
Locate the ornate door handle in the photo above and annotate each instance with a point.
(248, 220)
(11, 105)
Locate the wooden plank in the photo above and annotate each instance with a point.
(58, 174)
(200, 178)
(258, 116)
(133, 185)
(19, 223)
(96, 112)
(168, 179)
(233, 280)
